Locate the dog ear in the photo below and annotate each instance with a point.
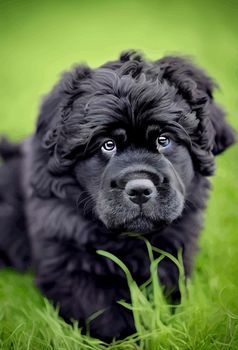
(197, 89)
(224, 134)
(50, 168)
(58, 102)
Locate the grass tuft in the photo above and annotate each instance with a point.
(201, 321)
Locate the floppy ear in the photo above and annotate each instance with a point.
(49, 167)
(57, 104)
(224, 134)
(197, 89)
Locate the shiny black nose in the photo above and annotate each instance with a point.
(140, 190)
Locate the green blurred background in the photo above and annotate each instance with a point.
(40, 39)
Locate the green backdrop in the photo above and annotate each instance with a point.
(40, 39)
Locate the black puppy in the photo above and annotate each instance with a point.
(126, 147)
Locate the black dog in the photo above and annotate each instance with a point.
(123, 148)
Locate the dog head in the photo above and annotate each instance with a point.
(127, 139)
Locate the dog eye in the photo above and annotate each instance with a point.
(109, 146)
(163, 141)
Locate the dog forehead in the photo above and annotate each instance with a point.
(109, 102)
(128, 100)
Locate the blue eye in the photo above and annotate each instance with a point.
(109, 146)
(162, 141)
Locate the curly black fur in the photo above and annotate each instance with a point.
(63, 197)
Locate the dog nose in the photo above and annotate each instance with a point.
(140, 191)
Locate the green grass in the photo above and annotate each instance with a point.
(38, 41)
(203, 319)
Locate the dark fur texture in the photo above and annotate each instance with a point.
(62, 196)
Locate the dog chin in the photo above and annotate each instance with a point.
(140, 225)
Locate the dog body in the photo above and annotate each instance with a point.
(124, 148)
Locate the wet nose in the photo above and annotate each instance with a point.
(140, 191)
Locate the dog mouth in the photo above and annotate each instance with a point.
(123, 216)
(139, 224)
(139, 206)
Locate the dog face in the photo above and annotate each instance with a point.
(130, 136)
(137, 166)
(135, 187)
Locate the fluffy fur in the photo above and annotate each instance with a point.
(63, 195)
